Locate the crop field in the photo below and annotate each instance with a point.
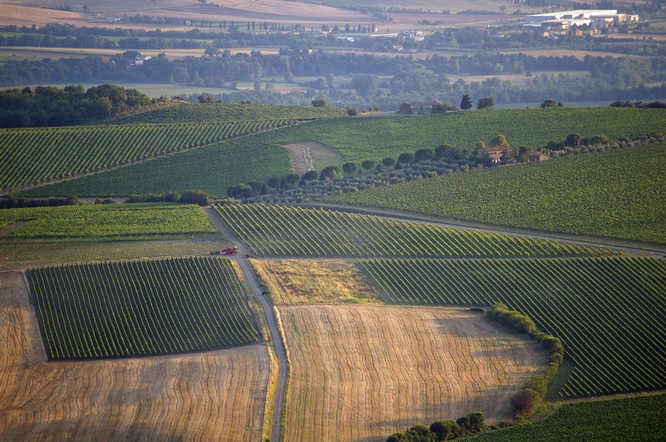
(632, 419)
(376, 138)
(616, 194)
(218, 395)
(303, 232)
(216, 112)
(607, 311)
(37, 155)
(296, 282)
(110, 222)
(212, 169)
(140, 308)
(374, 370)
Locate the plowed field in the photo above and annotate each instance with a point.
(217, 395)
(365, 372)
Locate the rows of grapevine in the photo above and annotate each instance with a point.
(304, 232)
(216, 112)
(609, 312)
(139, 308)
(32, 156)
(104, 221)
(616, 194)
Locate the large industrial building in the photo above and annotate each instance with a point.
(593, 18)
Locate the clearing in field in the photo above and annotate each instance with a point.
(218, 395)
(310, 155)
(314, 282)
(365, 372)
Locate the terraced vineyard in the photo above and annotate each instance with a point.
(607, 311)
(139, 308)
(303, 232)
(34, 156)
(112, 221)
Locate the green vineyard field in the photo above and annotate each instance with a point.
(34, 156)
(304, 232)
(106, 221)
(616, 194)
(607, 311)
(141, 308)
(219, 112)
(620, 420)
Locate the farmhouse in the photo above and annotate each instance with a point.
(495, 153)
(417, 107)
(536, 156)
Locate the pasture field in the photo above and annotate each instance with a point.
(141, 308)
(295, 282)
(617, 194)
(218, 112)
(304, 232)
(631, 419)
(33, 156)
(260, 157)
(219, 395)
(607, 311)
(377, 369)
(105, 222)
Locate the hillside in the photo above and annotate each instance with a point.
(617, 194)
(216, 167)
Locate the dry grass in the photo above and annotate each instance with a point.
(26, 16)
(314, 282)
(365, 372)
(210, 396)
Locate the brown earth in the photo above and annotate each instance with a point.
(310, 155)
(217, 395)
(365, 372)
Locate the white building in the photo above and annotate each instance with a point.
(596, 18)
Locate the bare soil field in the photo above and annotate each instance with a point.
(365, 372)
(209, 396)
(310, 155)
(294, 282)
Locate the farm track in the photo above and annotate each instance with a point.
(276, 336)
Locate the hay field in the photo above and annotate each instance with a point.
(27, 16)
(208, 396)
(365, 372)
(294, 282)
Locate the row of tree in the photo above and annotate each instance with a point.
(467, 425)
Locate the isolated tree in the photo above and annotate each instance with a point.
(466, 102)
(486, 103)
(388, 162)
(349, 168)
(292, 179)
(423, 155)
(500, 140)
(329, 173)
(319, 102)
(551, 103)
(310, 175)
(368, 164)
(406, 158)
(573, 140)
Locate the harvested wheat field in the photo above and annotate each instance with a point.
(218, 395)
(314, 282)
(365, 372)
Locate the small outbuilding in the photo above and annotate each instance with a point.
(417, 107)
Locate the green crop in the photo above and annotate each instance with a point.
(141, 308)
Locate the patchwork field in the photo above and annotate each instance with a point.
(364, 372)
(218, 395)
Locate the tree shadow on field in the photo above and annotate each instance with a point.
(70, 429)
